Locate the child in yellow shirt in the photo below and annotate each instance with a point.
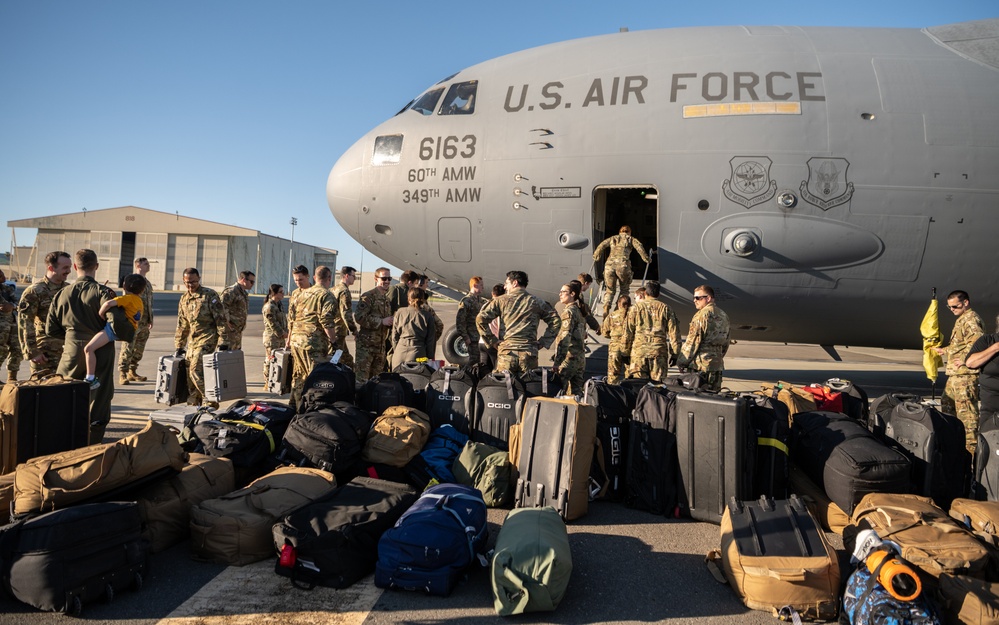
(131, 303)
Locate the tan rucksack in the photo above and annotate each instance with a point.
(49, 482)
(967, 600)
(795, 398)
(927, 537)
(397, 436)
(831, 516)
(236, 528)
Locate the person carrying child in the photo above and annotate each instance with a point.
(131, 303)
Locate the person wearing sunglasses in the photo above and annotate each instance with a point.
(707, 340)
(960, 396)
(374, 323)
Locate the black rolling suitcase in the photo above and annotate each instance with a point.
(772, 424)
(845, 459)
(39, 417)
(419, 375)
(334, 542)
(716, 450)
(653, 478)
(542, 382)
(934, 443)
(328, 383)
(384, 391)
(856, 404)
(985, 486)
(494, 405)
(446, 397)
(61, 560)
(558, 439)
(171, 380)
(614, 404)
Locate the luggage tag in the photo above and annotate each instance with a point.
(336, 357)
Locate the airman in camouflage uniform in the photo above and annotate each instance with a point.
(74, 316)
(707, 340)
(656, 334)
(344, 316)
(10, 348)
(201, 321)
(464, 320)
(619, 350)
(236, 303)
(570, 357)
(960, 396)
(131, 352)
(374, 322)
(519, 315)
(41, 350)
(617, 269)
(275, 325)
(313, 331)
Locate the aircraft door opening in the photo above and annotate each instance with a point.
(635, 206)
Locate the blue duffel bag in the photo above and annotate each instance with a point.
(434, 542)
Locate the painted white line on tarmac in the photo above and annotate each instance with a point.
(254, 594)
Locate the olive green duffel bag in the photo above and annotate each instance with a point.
(487, 469)
(532, 563)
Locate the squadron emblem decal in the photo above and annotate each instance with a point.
(827, 186)
(750, 182)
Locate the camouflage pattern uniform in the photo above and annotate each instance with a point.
(656, 333)
(344, 321)
(570, 357)
(706, 345)
(201, 321)
(464, 323)
(960, 396)
(73, 317)
(32, 312)
(369, 344)
(519, 315)
(315, 310)
(131, 353)
(236, 303)
(619, 350)
(275, 331)
(617, 269)
(10, 347)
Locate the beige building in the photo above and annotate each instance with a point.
(171, 242)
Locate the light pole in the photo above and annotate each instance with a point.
(291, 252)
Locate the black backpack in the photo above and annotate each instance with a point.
(449, 386)
(384, 391)
(330, 439)
(494, 405)
(542, 382)
(419, 375)
(327, 384)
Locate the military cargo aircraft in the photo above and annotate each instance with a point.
(822, 180)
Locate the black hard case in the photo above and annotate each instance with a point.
(716, 450)
(653, 477)
(557, 445)
(845, 459)
(336, 540)
(934, 443)
(446, 395)
(45, 417)
(171, 380)
(61, 560)
(494, 405)
(985, 486)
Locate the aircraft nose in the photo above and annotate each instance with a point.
(343, 189)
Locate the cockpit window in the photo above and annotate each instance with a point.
(388, 149)
(428, 101)
(460, 99)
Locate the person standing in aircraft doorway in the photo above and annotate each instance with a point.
(617, 269)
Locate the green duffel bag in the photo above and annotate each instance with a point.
(532, 563)
(487, 469)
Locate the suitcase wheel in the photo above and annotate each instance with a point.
(108, 593)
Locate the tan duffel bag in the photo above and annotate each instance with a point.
(6, 495)
(397, 436)
(58, 480)
(831, 516)
(236, 528)
(927, 537)
(165, 507)
(968, 601)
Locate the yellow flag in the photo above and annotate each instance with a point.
(930, 329)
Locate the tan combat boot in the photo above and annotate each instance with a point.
(135, 377)
(123, 378)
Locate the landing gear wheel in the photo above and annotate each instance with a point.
(455, 350)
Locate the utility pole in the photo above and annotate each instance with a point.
(291, 253)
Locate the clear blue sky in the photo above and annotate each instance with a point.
(235, 111)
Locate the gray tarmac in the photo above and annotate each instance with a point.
(629, 566)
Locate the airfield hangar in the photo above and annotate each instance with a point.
(171, 242)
